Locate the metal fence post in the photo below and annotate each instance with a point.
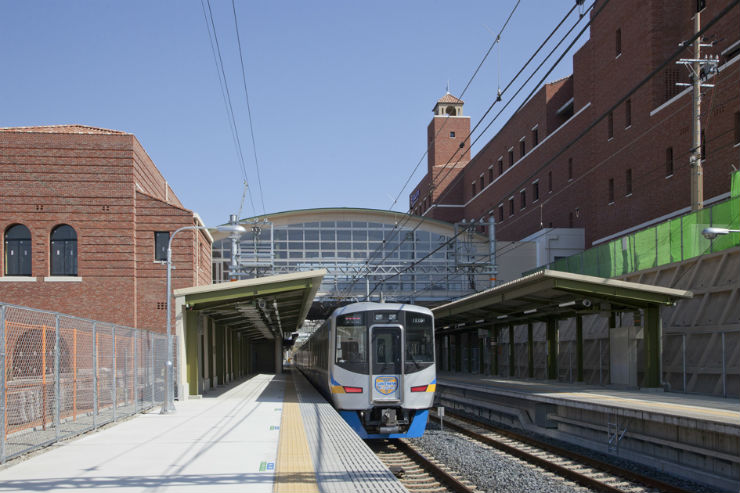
(57, 377)
(95, 374)
(135, 383)
(683, 357)
(3, 395)
(150, 338)
(114, 372)
(724, 368)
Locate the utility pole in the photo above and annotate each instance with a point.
(699, 68)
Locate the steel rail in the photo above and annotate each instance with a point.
(440, 475)
(559, 469)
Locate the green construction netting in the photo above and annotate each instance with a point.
(663, 242)
(671, 241)
(646, 247)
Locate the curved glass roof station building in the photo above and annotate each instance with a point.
(369, 254)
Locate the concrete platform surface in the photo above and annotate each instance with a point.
(224, 442)
(704, 408)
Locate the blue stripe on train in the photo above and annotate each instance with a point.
(418, 425)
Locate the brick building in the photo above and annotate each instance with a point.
(546, 169)
(85, 217)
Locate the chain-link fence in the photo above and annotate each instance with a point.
(66, 375)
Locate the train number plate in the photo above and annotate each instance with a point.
(386, 385)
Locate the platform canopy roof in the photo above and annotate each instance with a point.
(549, 293)
(261, 308)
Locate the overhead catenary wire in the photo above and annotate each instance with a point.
(621, 100)
(216, 50)
(496, 41)
(249, 107)
(421, 218)
(673, 56)
(646, 179)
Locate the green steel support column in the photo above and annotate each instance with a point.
(552, 348)
(530, 350)
(458, 352)
(190, 320)
(579, 348)
(496, 333)
(511, 350)
(652, 346)
(481, 358)
(219, 354)
(490, 350)
(470, 340)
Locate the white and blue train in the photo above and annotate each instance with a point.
(375, 363)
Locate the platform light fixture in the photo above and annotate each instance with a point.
(168, 404)
(712, 233)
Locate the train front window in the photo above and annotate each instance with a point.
(419, 342)
(351, 343)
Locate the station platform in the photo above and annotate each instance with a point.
(704, 408)
(270, 433)
(694, 436)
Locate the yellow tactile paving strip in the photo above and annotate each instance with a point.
(294, 471)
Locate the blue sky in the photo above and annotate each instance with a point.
(341, 92)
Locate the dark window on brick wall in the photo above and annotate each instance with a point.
(522, 148)
(63, 251)
(490, 174)
(161, 239)
(511, 158)
(669, 161)
(17, 251)
(611, 190)
(452, 135)
(737, 127)
(618, 42)
(501, 166)
(535, 137)
(570, 219)
(704, 154)
(523, 199)
(501, 213)
(535, 191)
(473, 189)
(628, 113)
(570, 168)
(549, 181)
(628, 182)
(610, 125)
(511, 206)
(482, 183)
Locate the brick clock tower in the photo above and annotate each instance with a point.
(449, 146)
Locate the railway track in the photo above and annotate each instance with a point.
(581, 469)
(417, 472)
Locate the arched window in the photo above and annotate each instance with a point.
(17, 251)
(63, 251)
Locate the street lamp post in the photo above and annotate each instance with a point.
(168, 405)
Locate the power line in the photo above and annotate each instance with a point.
(249, 108)
(421, 218)
(496, 41)
(645, 80)
(210, 25)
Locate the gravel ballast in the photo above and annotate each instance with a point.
(490, 469)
